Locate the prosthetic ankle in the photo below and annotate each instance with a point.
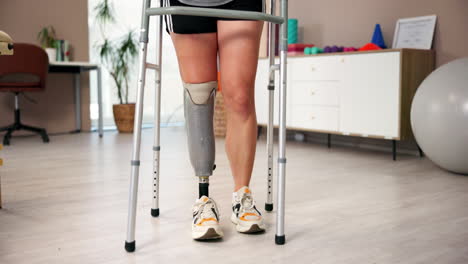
(199, 102)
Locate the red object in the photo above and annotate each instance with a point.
(370, 46)
(27, 59)
(349, 49)
(295, 53)
(299, 47)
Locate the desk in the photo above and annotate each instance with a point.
(76, 68)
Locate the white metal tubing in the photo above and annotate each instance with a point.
(157, 121)
(212, 12)
(132, 206)
(273, 69)
(271, 96)
(152, 66)
(145, 19)
(282, 126)
(133, 193)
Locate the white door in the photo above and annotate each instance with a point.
(370, 95)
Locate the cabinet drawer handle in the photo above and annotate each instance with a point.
(312, 92)
(312, 117)
(312, 68)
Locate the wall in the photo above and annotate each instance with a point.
(22, 19)
(351, 23)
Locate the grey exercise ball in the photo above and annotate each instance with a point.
(439, 116)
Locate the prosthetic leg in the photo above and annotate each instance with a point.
(199, 109)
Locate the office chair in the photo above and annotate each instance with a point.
(24, 71)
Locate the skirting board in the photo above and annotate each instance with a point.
(404, 147)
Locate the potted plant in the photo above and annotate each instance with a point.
(48, 42)
(118, 56)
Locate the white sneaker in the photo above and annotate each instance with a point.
(245, 215)
(205, 223)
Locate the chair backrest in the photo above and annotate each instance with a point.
(28, 59)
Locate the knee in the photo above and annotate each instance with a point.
(239, 103)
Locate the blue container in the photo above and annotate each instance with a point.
(292, 30)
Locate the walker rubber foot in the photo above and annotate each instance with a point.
(130, 246)
(155, 212)
(268, 207)
(280, 240)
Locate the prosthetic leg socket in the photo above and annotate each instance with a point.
(199, 102)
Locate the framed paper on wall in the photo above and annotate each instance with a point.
(415, 33)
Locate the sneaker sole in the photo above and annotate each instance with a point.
(209, 234)
(254, 228)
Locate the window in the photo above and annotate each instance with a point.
(128, 17)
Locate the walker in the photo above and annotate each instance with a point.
(149, 11)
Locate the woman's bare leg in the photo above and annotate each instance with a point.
(238, 44)
(197, 56)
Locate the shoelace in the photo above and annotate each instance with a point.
(206, 209)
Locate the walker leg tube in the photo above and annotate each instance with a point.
(132, 204)
(157, 123)
(280, 234)
(130, 242)
(271, 96)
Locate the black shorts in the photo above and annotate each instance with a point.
(196, 25)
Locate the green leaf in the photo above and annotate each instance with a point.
(46, 37)
(104, 12)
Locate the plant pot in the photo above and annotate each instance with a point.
(124, 116)
(52, 54)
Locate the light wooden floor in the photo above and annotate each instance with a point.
(66, 202)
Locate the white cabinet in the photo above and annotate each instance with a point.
(370, 95)
(365, 94)
(261, 94)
